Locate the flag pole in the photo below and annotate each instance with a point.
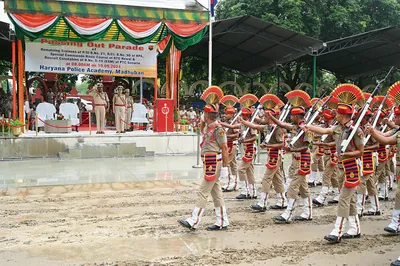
(210, 45)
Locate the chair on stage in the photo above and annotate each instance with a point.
(139, 116)
(70, 111)
(45, 111)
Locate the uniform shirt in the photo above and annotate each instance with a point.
(99, 97)
(213, 138)
(342, 132)
(183, 114)
(305, 139)
(230, 131)
(119, 99)
(192, 115)
(277, 137)
(250, 134)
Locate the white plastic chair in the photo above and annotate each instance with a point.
(139, 115)
(70, 111)
(45, 111)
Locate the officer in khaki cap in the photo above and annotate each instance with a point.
(101, 102)
(129, 110)
(119, 104)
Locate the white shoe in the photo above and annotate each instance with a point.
(290, 210)
(394, 226)
(281, 200)
(222, 217)
(194, 221)
(375, 209)
(360, 204)
(354, 228)
(322, 195)
(383, 191)
(307, 210)
(312, 178)
(337, 232)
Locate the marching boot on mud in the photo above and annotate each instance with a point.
(214, 152)
(348, 170)
(299, 147)
(273, 142)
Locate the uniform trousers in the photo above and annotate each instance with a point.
(329, 178)
(273, 177)
(100, 112)
(298, 184)
(210, 187)
(246, 172)
(347, 200)
(119, 114)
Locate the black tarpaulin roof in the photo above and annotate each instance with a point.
(251, 45)
(361, 54)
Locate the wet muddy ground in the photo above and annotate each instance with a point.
(135, 223)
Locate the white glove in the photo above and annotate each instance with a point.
(223, 174)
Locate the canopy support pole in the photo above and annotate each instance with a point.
(210, 46)
(314, 76)
(278, 78)
(14, 81)
(20, 82)
(141, 90)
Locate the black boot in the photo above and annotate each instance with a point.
(348, 236)
(216, 227)
(186, 224)
(258, 208)
(395, 263)
(332, 238)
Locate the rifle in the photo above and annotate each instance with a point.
(346, 142)
(323, 138)
(312, 108)
(376, 118)
(391, 116)
(309, 122)
(282, 117)
(234, 119)
(251, 121)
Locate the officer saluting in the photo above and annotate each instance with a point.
(214, 152)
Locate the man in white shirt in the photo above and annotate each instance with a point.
(191, 114)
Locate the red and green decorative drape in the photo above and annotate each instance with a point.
(173, 30)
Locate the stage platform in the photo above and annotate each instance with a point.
(81, 144)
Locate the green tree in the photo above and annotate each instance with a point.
(322, 19)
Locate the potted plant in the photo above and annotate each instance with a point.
(176, 119)
(184, 125)
(16, 126)
(60, 117)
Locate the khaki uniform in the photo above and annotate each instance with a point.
(347, 201)
(214, 135)
(246, 168)
(299, 181)
(397, 200)
(317, 163)
(100, 100)
(368, 180)
(129, 112)
(232, 163)
(329, 178)
(119, 106)
(273, 173)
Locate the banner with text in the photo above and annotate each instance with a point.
(91, 58)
